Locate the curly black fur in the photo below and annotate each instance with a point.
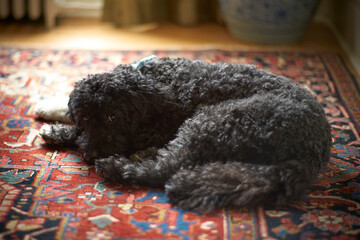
(214, 135)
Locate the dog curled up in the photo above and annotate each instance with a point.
(211, 134)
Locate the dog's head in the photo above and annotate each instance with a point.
(108, 108)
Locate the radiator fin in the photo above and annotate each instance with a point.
(20, 9)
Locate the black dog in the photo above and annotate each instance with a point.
(214, 135)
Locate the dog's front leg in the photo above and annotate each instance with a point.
(59, 134)
(152, 172)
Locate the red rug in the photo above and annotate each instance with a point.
(49, 193)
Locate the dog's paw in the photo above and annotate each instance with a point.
(187, 199)
(111, 168)
(45, 129)
(185, 190)
(48, 133)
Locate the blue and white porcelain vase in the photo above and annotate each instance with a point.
(268, 21)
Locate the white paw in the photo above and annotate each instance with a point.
(45, 130)
(48, 133)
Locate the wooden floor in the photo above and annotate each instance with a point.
(94, 34)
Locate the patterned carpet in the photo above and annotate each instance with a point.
(49, 193)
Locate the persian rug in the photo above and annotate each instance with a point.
(51, 193)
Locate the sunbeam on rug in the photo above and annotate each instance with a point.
(50, 192)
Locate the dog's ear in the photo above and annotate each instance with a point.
(135, 104)
(138, 105)
(135, 91)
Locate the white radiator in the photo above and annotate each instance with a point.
(33, 9)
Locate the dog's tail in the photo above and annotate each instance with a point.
(237, 184)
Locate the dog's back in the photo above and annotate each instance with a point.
(199, 82)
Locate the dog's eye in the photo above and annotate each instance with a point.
(111, 118)
(85, 118)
